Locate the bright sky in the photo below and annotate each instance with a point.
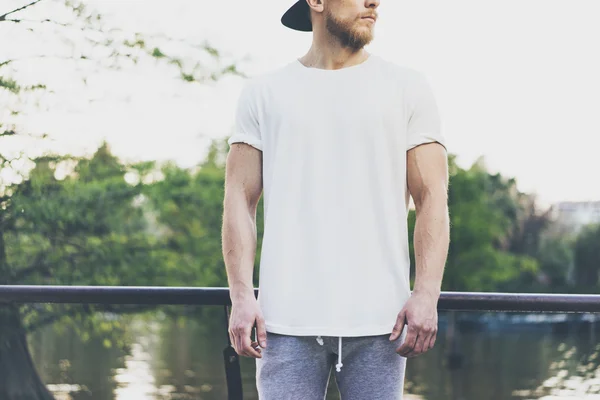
(516, 81)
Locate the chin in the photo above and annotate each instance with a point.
(365, 33)
(365, 36)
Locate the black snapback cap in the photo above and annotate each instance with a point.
(298, 17)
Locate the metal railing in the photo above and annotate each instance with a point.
(457, 301)
(449, 301)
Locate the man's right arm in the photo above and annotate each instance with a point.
(243, 188)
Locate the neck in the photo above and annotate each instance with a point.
(326, 52)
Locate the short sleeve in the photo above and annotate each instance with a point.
(424, 125)
(247, 128)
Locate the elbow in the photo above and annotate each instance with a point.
(431, 198)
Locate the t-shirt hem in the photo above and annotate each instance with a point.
(245, 138)
(427, 141)
(370, 330)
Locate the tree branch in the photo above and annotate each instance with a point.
(3, 17)
(41, 21)
(4, 63)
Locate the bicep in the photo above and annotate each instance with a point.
(427, 172)
(243, 173)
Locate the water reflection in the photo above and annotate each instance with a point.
(135, 380)
(166, 358)
(73, 368)
(575, 375)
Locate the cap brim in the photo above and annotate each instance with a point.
(297, 17)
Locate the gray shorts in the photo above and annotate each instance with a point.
(298, 367)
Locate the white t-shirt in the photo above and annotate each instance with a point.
(335, 258)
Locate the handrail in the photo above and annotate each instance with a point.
(160, 295)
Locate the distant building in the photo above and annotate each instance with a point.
(576, 214)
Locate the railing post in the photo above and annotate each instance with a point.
(233, 372)
(454, 354)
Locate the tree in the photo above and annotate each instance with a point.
(482, 217)
(587, 259)
(87, 228)
(556, 262)
(189, 209)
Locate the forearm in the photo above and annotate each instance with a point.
(239, 246)
(431, 242)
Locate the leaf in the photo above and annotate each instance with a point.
(157, 53)
(188, 77)
(211, 50)
(9, 84)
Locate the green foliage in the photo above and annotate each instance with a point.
(157, 53)
(189, 209)
(187, 77)
(488, 218)
(211, 50)
(481, 216)
(85, 229)
(556, 262)
(9, 84)
(587, 258)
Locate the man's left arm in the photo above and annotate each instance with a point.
(427, 177)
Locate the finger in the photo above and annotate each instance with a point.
(399, 326)
(243, 351)
(254, 343)
(410, 352)
(247, 346)
(238, 346)
(233, 339)
(238, 334)
(261, 332)
(422, 341)
(409, 343)
(432, 340)
(256, 346)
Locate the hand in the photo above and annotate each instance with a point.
(244, 313)
(420, 313)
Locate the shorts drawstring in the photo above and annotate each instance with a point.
(339, 365)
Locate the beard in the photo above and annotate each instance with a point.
(345, 31)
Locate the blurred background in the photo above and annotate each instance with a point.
(114, 117)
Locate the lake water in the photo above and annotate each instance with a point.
(155, 357)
